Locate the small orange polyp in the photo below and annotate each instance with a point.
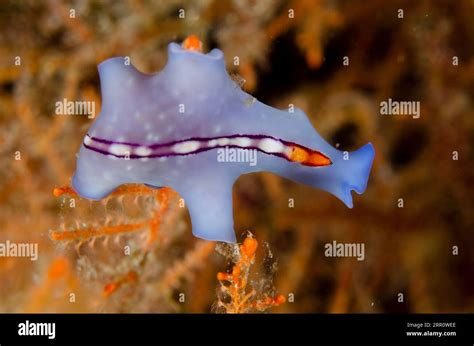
(192, 43)
(308, 157)
(249, 247)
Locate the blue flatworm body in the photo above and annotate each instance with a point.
(167, 129)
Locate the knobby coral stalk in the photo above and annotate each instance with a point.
(234, 285)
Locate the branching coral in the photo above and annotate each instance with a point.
(160, 197)
(236, 293)
(157, 207)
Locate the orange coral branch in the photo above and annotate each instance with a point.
(162, 197)
(122, 190)
(236, 290)
(130, 277)
(59, 191)
(58, 276)
(91, 232)
(163, 200)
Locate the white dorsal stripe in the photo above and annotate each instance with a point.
(186, 147)
(267, 145)
(212, 143)
(241, 142)
(143, 151)
(87, 140)
(270, 145)
(223, 141)
(119, 149)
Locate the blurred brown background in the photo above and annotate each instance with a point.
(409, 250)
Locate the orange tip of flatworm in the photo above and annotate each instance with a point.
(298, 154)
(308, 157)
(317, 159)
(193, 43)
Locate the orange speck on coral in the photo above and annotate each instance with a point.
(110, 288)
(314, 58)
(193, 43)
(59, 191)
(132, 276)
(280, 299)
(222, 276)
(249, 247)
(58, 268)
(236, 271)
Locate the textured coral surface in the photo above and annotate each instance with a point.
(336, 60)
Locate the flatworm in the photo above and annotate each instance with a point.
(265, 144)
(167, 129)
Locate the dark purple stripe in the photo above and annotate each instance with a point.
(160, 145)
(100, 151)
(199, 139)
